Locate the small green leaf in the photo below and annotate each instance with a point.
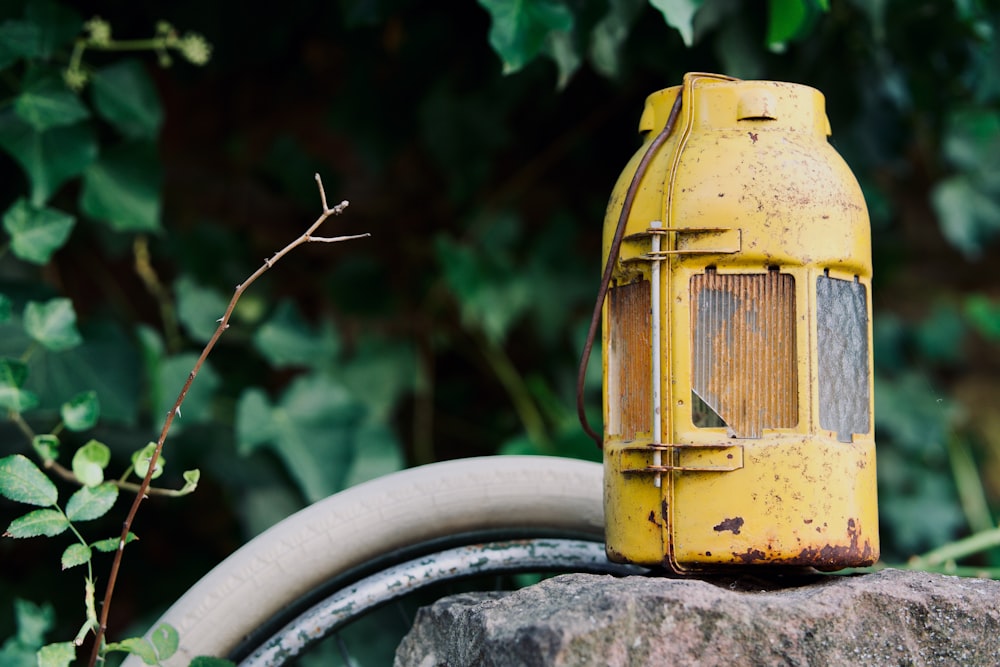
(48, 158)
(125, 96)
(122, 189)
(46, 446)
(90, 503)
(111, 543)
(191, 479)
(39, 522)
(141, 459)
(45, 101)
(22, 482)
(165, 640)
(61, 654)
(53, 324)
(5, 308)
(75, 554)
(679, 14)
(90, 461)
(12, 397)
(81, 412)
(136, 646)
(984, 315)
(36, 233)
(519, 30)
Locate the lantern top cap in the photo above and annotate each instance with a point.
(715, 101)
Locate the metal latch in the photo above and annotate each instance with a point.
(691, 241)
(682, 457)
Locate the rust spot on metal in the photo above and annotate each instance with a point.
(750, 556)
(734, 524)
(652, 517)
(753, 136)
(664, 510)
(807, 521)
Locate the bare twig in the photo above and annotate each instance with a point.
(141, 493)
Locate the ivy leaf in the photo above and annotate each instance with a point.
(36, 233)
(198, 308)
(313, 429)
(610, 33)
(165, 640)
(286, 339)
(53, 324)
(967, 215)
(519, 29)
(61, 654)
(58, 25)
(111, 543)
(48, 158)
(13, 397)
(75, 554)
(45, 101)
(89, 503)
(90, 461)
(48, 523)
(81, 412)
(679, 14)
(125, 96)
(789, 19)
(19, 39)
(22, 482)
(33, 622)
(122, 189)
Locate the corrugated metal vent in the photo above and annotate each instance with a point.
(630, 398)
(744, 351)
(842, 342)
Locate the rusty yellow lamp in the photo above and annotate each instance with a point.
(737, 337)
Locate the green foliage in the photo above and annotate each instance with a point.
(52, 324)
(35, 234)
(90, 461)
(22, 482)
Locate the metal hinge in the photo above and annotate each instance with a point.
(686, 457)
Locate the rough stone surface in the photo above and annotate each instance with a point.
(891, 617)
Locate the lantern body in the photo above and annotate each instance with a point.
(737, 337)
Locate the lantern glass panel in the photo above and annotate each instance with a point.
(630, 396)
(842, 346)
(744, 351)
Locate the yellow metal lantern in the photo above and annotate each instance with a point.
(737, 337)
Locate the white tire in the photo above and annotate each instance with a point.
(357, 526)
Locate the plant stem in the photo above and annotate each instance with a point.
(959, 549)
(518, 391)
(307, 237)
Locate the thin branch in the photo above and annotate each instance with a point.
(144, 488)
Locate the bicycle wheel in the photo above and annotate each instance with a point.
(377, 525)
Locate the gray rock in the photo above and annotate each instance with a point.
(891, 617)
